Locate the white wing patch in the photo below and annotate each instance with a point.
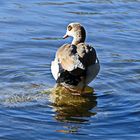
(55, 69)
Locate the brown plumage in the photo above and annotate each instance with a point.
(72, 57)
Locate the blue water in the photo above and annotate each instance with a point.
(30, 33)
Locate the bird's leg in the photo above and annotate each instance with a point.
(84, 85)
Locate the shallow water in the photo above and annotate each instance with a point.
(30, 33)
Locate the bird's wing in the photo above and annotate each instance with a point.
(76, 59)
(69, 58)
(87, 54)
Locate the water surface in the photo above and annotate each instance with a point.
(30, 33)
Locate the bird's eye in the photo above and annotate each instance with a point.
(69, 27)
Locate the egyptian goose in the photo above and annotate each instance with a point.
(75, 64)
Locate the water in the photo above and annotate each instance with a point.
(30, 33)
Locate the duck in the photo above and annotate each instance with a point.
(75, 64)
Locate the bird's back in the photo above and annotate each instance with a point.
(74, 63)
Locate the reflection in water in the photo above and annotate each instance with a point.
(70, 107)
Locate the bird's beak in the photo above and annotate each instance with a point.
(65, 36)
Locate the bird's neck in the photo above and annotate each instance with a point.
(78, 39)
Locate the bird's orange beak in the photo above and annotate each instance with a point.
(65, 36)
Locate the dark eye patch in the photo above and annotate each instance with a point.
(69, 27)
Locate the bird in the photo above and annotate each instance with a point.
(75, 64)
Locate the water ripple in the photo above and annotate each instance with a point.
(31, 33)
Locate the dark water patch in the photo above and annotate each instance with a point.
(47, 38)
(55, 3)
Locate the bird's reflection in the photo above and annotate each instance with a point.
(70, 107)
